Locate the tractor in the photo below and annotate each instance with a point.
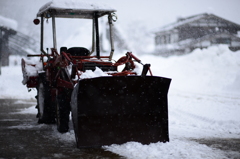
(107, 105)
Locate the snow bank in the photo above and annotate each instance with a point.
(30, 110)
(9, 23)
(11, 84)
(235, 85)
(92, 74)
(174, 149)
(211, 70)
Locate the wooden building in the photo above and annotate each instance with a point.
(13, 42)
(5, 33)
(199, 31)
(7, 29)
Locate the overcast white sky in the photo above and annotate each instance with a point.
(154, 13)
(161, 12)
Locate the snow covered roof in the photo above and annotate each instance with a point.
(191, 19)
(74, 8)
(8, 23)
(182, 22)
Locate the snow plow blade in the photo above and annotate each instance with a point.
(116, 110)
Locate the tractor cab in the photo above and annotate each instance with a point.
(80, 10)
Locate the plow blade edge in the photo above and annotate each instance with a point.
(115, 110)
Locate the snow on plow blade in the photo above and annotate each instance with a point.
(115, 110)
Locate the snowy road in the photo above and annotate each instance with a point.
(22, 137)
(191, 135)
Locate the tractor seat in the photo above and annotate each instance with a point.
(76, 51)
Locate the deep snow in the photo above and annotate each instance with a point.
(204, 103)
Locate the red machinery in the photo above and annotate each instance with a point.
(115, 107)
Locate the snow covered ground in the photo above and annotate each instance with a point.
(204, 103)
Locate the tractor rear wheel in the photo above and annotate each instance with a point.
(46, 113)
(62, 111)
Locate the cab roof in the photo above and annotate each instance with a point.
(74, 9)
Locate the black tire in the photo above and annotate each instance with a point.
(63, 111)
(45, 106)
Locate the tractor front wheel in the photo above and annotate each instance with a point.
(46, 113)
(62, 112)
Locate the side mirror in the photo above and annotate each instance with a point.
(36, 21)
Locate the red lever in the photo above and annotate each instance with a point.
(134, 57)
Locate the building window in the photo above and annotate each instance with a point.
(223, 41)
(164, 39)
(169, 39)
(158, 40)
